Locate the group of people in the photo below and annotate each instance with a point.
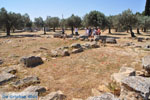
(92, 32)
(88, 31)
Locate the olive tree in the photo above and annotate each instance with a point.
(109, 23)
(139, 22)
(39, 23)
(27, 21)
(128, 20)
(95, 19)
(73, 21)
(52, 22)
(10, 20)
(145, 23)
(63, 23)
(116, 23)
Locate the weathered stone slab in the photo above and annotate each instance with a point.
(83, 37)
(1, 61)
(147, 47)
(123, 73)
(31, 61)
(57, 35)
(6, 77)
(60, 52)
(54, 96)
(146, 63)
(39, 89)
(77, 99)
(76, 45)
(111, 40)
(26, 81)
(96, 38)
(74, 51)
(94, 45)
(9, 70)
(138, 84)
(140, 39)
(90, 45)
(106, 96)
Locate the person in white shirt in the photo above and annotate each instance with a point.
(87, 31)
(76, 31)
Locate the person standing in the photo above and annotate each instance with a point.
(98, 31)
(63, 31)
(94, 31)
(76, 31)
(87, 31)
(90, 32)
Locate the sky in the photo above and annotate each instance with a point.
(44, 8)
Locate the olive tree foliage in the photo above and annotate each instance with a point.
(52, 22)
(139, 23)
(63, 23)
(127, 20)
(38, 22)
(18, 22)
(95, 19)
(116, 23)
(27, 21)
(109, 22)
(73, 21)
(145, 23)
(10, 20)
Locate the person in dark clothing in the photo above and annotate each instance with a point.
(63, 31)
(90, 32)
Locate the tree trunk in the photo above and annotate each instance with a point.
(109, 30)
(127, 31)
(31, 29)
(44, 30)
(8, 31)
(144, 29)
(132, 33)
(53, 29)
(72, 30)
(13, 30)
(116, 30)
(138, 31)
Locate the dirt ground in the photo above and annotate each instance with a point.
(75, 75)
